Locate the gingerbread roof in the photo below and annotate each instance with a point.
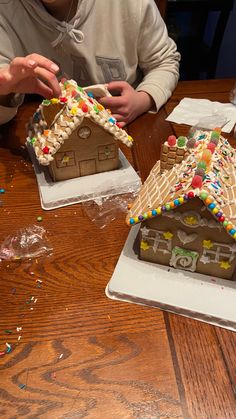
(55, 120)
(208, 172)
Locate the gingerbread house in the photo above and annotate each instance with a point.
(74, 135)
(188, 213)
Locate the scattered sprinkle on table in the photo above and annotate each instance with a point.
(39, 218)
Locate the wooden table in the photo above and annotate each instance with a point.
(74, 353)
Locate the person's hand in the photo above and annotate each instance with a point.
(31, 74)
(129, 105)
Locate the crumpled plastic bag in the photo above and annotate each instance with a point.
(26, 243)
(103, 211)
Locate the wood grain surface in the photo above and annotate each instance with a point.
(74, 353)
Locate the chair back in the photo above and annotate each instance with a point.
(162, 4)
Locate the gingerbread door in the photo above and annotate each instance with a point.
(87, 167)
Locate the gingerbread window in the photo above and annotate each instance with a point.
(156, 240)
(107, 152)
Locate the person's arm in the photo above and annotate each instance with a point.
(158, 56)
(159, 63)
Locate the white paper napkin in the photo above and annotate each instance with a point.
(192, 111)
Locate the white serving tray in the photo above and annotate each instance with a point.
(72, 191)
(211, 300)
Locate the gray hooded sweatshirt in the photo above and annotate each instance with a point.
(106, 40)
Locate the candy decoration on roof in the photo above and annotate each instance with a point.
(171, 140)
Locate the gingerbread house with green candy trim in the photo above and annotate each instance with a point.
(188, 213)
(74, 135)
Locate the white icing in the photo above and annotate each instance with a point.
(186, 238)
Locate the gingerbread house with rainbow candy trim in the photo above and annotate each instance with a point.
(74, 135)
(187, 212)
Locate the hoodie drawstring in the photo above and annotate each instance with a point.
(66, 28)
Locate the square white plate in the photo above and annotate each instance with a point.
(205, 298)
(72, 191)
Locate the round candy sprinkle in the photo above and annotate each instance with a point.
(232, 231)
(39, 218)
(212, 205)
(190, 195)
(2, 190)
(181, 141)
(203, 195)
(171, 140)
(132, 221)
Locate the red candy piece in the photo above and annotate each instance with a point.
(211, 147)
(84, 108)
(45, 150)
(171, 140)
(190, 195)
(221, 219)
(196, 181)
(73, 93)
(63, 99)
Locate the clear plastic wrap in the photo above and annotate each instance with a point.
(103, 211)
(26, 243)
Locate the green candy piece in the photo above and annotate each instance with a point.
(202, 164)
(181, 141)
(203, 195)
(215, 134)
(46, 102)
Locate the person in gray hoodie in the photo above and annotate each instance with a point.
(123, 44)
